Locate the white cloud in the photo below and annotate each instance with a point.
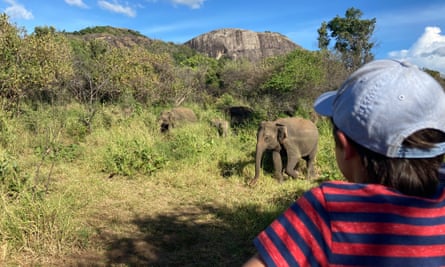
(117, 8)
(427, 52)
(78, 3)
(194, 4)
(17, 11)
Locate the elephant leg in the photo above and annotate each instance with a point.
(310, 160)
(292, 163)
(278, 165)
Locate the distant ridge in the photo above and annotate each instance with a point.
(223, 43)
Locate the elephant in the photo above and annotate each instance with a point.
(298, 137)
(176, 116)
(221, 125)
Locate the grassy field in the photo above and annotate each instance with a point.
(121, 194)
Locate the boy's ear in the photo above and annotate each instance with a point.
(346, 146)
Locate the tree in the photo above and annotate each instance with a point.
(10, 75)
(323, 36)
(352, 38)
(293, 79)
(33, 67)
(45, 64)
(301, 70)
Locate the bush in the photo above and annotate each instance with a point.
(11, 180)
(6, 136)
(128, 157)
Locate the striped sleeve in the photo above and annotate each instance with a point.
(298, 236)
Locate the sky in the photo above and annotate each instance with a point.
(405, 29)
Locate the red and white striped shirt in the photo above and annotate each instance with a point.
(348, 224)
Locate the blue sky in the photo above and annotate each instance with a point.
(405, 29)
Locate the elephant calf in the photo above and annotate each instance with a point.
(221, 125)
(297, 136)
(175, 117)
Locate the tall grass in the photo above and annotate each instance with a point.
(68, 190)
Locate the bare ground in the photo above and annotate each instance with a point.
(147, 223)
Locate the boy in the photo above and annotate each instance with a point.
(389, 131)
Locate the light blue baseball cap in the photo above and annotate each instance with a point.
(384, 102)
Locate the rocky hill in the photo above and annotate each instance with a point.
(121, 37)
(237, 43)
(230, 43)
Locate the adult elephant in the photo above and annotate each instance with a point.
(239, 115)
(175, 117)
(297, 136)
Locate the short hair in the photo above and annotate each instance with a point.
(410, 176)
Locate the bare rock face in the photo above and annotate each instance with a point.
(237, 44)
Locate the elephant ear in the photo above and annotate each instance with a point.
(261, 126)
(281, 133)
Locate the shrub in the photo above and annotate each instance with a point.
(127, 157)
(11, 180)
(6, 135)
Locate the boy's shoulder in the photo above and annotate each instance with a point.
(343, 188)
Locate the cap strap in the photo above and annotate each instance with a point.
(410, 152)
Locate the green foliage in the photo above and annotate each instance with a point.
(205, 70)
(242, 78)
(129, 157)
(352, 37)
(10, 75)
(58, 152)
(105, 73)
(46, 66)
(41, 31)
(294, 78)
(225, 100)
(32, 66)
(185, 144)
(6, 133)
(12, 181)
(325, 155)
(323, 36)
(38, 225)
(50, 66)
(56, 132)
(108, 30)
(76, 128)
(301, 70)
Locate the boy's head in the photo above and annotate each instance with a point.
(383, 103)
(393, 114)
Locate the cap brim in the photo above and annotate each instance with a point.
(323, 105)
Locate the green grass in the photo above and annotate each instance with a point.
(125, 195)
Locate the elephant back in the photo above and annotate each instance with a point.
(183, 114)
(175, 117)
(301, 131)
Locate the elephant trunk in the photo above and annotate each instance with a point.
(258, 159)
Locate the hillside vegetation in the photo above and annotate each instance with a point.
(87, 179)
